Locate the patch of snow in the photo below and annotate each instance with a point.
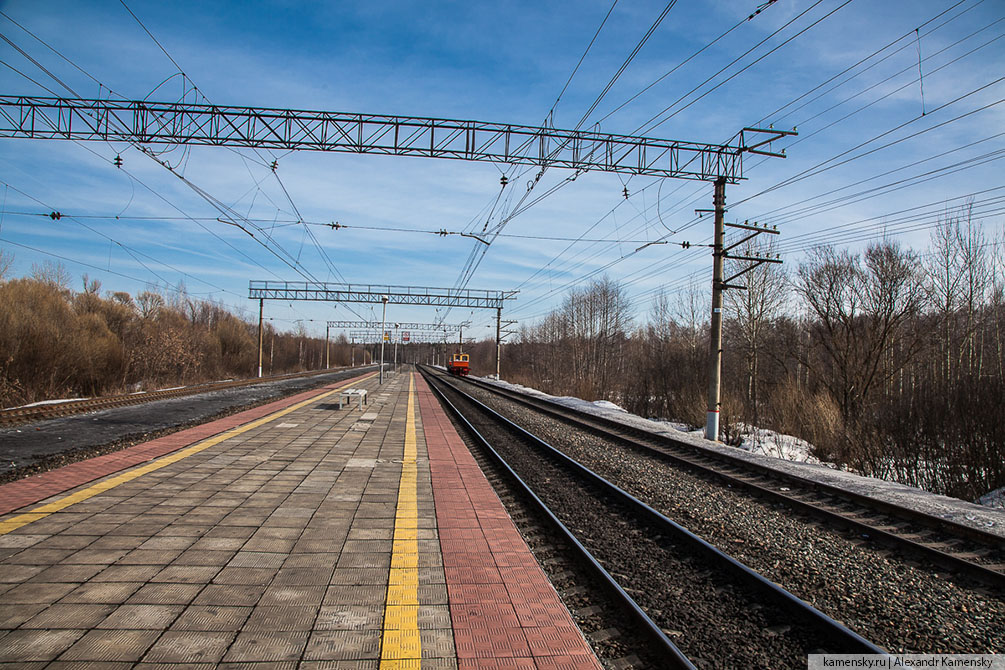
(994, 499)
(791, 455)
(769, 443)
(47, 402)
(606, 404)
(172, 388)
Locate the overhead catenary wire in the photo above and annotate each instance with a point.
(581, 59)
(129, 250)
(656, 121)
(150, 153)
(816, 234)
(75, 261)
(972, 161)
(322, 253)
(475, 258)
(807, 136)
(773, 115)
(687, 60)
(833, 162)
(628, 61)
(659, 19)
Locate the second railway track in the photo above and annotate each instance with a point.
(964, 550)
(19, 415)
(718, 612)
(888, 596)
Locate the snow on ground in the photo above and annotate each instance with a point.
(46, 402)
(768, 442)
(62, 400)
(994, 499)
(792, 455)
(757, 441)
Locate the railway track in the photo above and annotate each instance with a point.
(20, 415)
(675, 584)
(951, 546)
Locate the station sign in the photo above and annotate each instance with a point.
(404, 336)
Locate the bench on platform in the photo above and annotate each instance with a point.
(347, 395)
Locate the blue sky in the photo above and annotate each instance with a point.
(503, 62)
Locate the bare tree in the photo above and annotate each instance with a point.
(944, 276)
(6, 263)
(53, 274)
(978, 275)
(122, 298)
(91, 286)
(149, 304)
(690, 312)
(752, 310)
(861, 307)
(593, 323)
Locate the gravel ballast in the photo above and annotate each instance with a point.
(897, 604)
(709, 614)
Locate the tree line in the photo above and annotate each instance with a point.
(890, 361)
(56, 342)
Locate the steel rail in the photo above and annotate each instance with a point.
(615, 430)
(20, 415)
(650, 628)
(852, 642)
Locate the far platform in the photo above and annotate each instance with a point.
(300, 534)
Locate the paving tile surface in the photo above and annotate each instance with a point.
(504, 611)
(276, 548)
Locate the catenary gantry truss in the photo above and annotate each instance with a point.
(145, 122)
(416, 327)
(376, 336)
(376, 293)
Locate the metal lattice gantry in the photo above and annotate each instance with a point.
(423, 337)
(401, 325)
(375, 293)
(145, 122)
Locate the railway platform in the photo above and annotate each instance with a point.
(306, 533)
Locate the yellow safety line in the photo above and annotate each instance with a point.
(401, 646)
(49, 508)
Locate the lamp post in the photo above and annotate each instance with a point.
(396, 348)
(383, 319)
(327, 349)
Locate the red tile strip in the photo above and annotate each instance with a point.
(505, 612)
(28, 491)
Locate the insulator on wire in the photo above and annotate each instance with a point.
(625, 192)
(504, 180)
(55, 216)
(118, 161)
